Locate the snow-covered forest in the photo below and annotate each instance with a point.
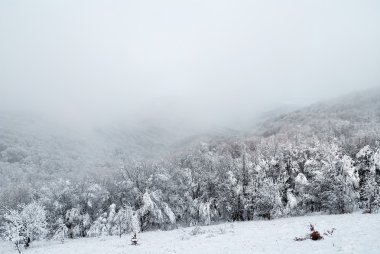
(324, 158)
(171, 122)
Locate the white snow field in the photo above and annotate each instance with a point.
(355, 233)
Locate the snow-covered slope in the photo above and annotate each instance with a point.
(360, 110)
(355, 233)
(34, 146)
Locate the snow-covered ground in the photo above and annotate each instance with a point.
(355, 233)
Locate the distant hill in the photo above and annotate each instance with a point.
(353, 119)
(34, 146)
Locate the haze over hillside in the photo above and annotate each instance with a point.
(120, 117)
(37, 145)
(355, 115)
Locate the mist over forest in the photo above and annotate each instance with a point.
(121, 117)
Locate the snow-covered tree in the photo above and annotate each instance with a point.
(61, 232)
(267, 200)
(123, 221)
(368, 168)
(339, 182)
(26, 224)
(155, 212)
(99, 226)
(77, 223)
(115, 223)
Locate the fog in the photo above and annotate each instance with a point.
(207, 62)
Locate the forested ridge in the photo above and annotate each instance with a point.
(324, 158)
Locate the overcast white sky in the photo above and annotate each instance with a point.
(91, 59)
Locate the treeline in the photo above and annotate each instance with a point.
(227, 180)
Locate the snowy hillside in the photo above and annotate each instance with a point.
(355, 233)
(320, 159)
(33, 146)
(201, 126)
(352, 120)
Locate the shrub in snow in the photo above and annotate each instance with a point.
(313, 235)
(26, 224)
(184, 236)
(222, 231)
(197, 231)
(210, 235)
